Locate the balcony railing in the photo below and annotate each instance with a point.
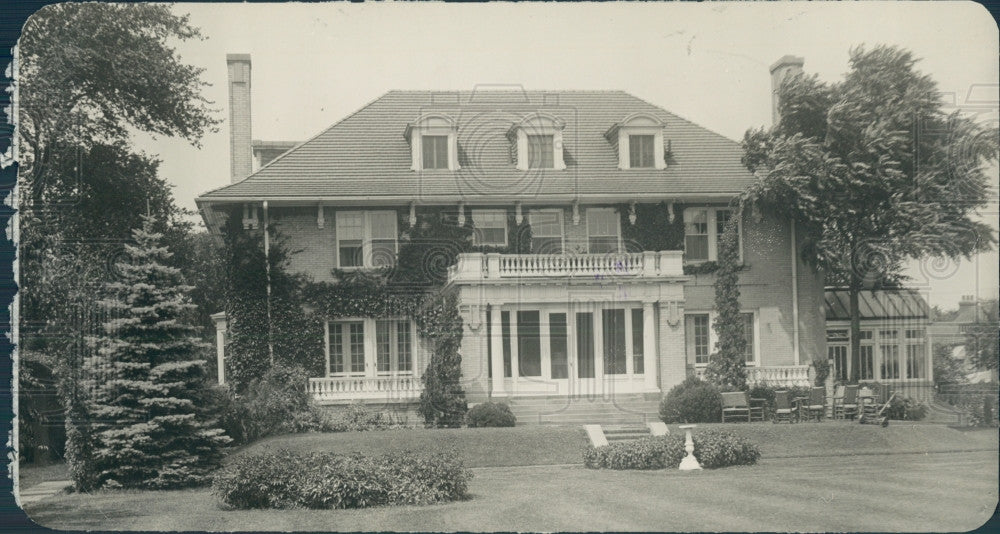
(478, 266)
(384, 388)
(773, 375)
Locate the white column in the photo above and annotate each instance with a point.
(649, 337)
(220, 350)
(496, 349)
(598, 350)
(545, 343)
(514, 370)
(326, 346)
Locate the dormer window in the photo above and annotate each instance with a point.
(433, 142)
(639, 139)
(539, 142)
(540, 152)
(640, 151)
(435, 151)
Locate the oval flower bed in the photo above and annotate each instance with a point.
(713, 448)
(325, 480)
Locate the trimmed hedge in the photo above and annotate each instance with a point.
(713, 448)
(692, 401)
(325, 480)
(490, 414)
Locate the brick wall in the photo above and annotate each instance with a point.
(765, 287)
(311, 250)
(241, 159)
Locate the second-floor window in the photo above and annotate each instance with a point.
(703, 228)
(540, 154)
(435, 151)
(366, 238)
(490, 227)
(640, 148)
(546, 231)
(602, 230)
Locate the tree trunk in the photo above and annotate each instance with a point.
(854, 292)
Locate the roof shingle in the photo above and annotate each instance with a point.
(366, 154)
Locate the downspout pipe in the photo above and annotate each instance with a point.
(267, 269)
(795, 297)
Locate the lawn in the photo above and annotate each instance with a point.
(542, 445)
(901, 492)
(479, 447)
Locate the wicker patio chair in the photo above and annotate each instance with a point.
(783, 408)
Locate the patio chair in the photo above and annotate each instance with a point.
(783, 409)
(758, 407)
(815, 405)
(847, 406)
(735, 405)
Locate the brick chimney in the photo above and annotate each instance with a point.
(240, 156)
(784, 67)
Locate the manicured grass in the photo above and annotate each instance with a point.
(918, 492)
(478, 447)
(31, 475)
(543, 445)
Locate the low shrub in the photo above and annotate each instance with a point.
(490, 414)
(716, 448)
(275, 403)
(325, 480)
(358, 417)
(713, 448)
(692, 401)
(906, 409)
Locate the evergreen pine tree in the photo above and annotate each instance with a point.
(727, 367)
(145, 382)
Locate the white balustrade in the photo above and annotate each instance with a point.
(385, 388)
(774, 375)
(476, 266)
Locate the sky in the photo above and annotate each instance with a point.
(313, 64)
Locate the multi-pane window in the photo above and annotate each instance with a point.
(866, 357)
(435, 151)
(837, 351)
(558, 346)
(529, 346)
(602, 230)
(382, 226)
(350, 238)
(696, 336)
(638, 364)
(696, 234)
(748, 334)
(889, 352)
(546, 231)
(540, 152)
(350, 353)
(916, 353)
(613, 323)
(703, 228)
(347, 348)
(366, 238)
(490, 227)
(640, 151)
(393, 346)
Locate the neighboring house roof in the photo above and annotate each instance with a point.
(885, 304)
(367, 155)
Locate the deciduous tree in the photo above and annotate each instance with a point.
(873, 171)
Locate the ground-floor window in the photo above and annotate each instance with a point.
(359, 347)
(700, 338)
(560, 344)
(885, 353)
(916, 353)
